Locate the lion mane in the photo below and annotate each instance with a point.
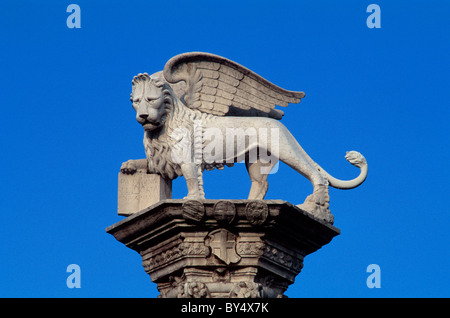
(159, 143)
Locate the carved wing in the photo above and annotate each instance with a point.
(219, 86)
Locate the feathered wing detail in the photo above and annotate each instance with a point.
(219, 86)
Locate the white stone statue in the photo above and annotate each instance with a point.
(205, 111)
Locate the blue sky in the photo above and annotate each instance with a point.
(66, 125)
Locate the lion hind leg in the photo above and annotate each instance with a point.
(292, 154)
(318, 203)
(258, 172)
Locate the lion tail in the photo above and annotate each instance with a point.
(356, 159)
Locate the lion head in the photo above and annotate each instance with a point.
(151, 99)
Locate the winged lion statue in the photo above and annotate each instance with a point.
(204, 111)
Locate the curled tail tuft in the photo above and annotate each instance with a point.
(356, 159)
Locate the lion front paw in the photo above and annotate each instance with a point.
(128, 167)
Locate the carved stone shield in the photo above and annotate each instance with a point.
(193, 210)
(223, 246)
(256, 212)
(224, 212)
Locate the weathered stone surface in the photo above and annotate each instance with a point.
(223, 245)
(140, 190)
(195, 254)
